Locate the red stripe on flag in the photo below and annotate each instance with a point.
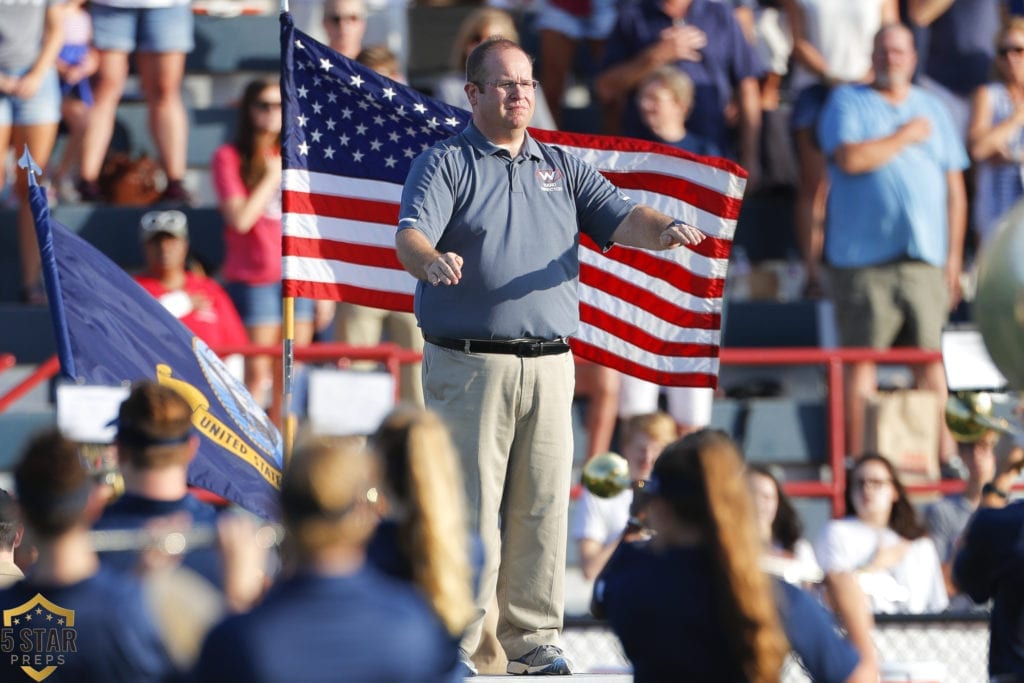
(706, 198)
(643, 339)
(677, 276)
(354, 295)
(670, 271)
(328, 206)
(660, 377)
(349, 252)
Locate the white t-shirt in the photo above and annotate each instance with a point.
(844, 33)
(601, 519)
(914, 586)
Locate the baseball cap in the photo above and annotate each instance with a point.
(172, 222)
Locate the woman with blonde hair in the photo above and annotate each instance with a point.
(695, 605)
(335, 615)
(423, 537)
(478, 26)
(996, 134)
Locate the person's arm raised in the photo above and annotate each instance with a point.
(648, 228)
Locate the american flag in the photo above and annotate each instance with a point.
(348, 140)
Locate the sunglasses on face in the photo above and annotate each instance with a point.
(868, 483)
(264, 105)
(336, 19)
(1008, 49)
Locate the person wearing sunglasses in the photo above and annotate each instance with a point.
(478, 26)
(247, 178)
(996, 133)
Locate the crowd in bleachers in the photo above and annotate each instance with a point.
(753, 93)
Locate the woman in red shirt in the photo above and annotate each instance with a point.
(247, 178)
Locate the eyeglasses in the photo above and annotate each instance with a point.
(873, 484)
(265, 105)
(507, 86)
(336, 19)
(1007, 49)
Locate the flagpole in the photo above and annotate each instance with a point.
(284, 6)
(287, 365)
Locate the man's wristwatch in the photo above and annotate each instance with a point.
(994, 490)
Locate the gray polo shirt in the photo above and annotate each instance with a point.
(516, 223)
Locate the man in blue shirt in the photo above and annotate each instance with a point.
(110, 634)
(895, 223)
(155, 444)
(489, 224)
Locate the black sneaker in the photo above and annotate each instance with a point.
(89, 191)
(175, 193)
(544, 660)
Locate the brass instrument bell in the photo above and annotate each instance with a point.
(606, 475)
(969, 416)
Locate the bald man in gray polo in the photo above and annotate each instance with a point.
(490, 224)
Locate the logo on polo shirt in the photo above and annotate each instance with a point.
(38, 636)
(550, 179)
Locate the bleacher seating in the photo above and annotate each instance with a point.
(728, 415)
(785, 431)
(227, 45)
(208, 128)
(17, 427)
(769, 324)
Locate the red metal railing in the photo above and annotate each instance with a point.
(834, 360)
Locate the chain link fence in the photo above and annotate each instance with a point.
(958, 644)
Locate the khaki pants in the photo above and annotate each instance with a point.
(511, 422)
(365, 326)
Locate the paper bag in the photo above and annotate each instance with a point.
(904, 427)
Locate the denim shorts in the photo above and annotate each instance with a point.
(41, 108)
(596, 26)
(809, 103)
(261, 304)
(130, 29)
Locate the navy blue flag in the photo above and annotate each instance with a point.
(109, 330)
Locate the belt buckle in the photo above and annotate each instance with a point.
(532, 349)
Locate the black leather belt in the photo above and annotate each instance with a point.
(524, 348)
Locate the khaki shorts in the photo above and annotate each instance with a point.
(896, 304)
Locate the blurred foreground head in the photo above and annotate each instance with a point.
(698, 483)
(423, 487)
(155, 428)
(53, 485)
(327, 496)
